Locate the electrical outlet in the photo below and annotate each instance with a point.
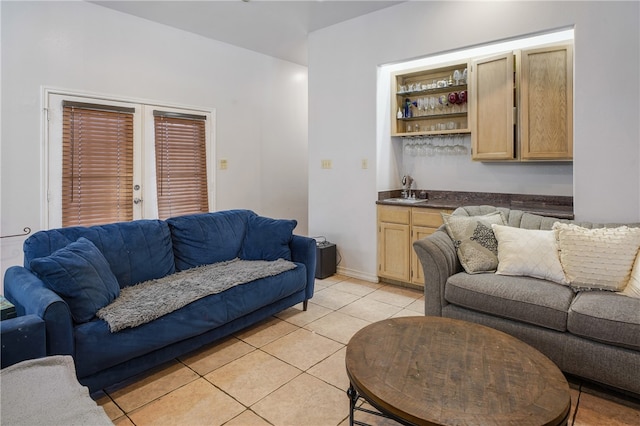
(325, 164)
(365, 163)
(224, 164)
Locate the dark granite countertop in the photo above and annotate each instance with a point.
(544, 205)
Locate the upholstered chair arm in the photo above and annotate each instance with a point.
(439, 261)
(31, 297)
(22, 338)
(303, 250)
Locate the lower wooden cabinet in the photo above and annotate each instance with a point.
(394, 239)
(398, 228)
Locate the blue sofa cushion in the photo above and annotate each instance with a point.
(98, 349)
(80, 274)
(267, 239)
(136, 251)
(205, 238)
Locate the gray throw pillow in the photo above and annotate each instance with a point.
(474, 240)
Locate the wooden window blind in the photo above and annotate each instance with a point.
(97, 164)
(181, 166)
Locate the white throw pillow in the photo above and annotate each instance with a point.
(633, 286)
(599, 258)
(528, 252)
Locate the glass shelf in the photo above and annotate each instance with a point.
(437, 90)
(440, 116)
(434, 133)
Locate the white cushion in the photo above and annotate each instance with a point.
(600, 258)
(528, 252)
(633, 286)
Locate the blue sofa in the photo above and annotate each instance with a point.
(144, 250)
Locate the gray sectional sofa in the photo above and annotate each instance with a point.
(591, 334)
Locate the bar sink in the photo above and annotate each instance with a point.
(406, 200)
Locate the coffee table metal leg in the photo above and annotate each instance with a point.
(353, 397)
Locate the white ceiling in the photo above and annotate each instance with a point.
(275, 28)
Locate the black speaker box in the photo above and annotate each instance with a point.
(325, 260)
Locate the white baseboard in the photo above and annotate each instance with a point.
(357, 274)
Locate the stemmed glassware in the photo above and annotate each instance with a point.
(442, 101)
(432, 104)
(432, 145)
(462, 99)
(460, 147)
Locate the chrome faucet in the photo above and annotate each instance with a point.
(407, 181)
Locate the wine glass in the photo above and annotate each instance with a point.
(443, 102)
(464, 76)
(453, 101)
(422, 150)
(457, 76)
(462, 97)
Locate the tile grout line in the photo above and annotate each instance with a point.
(330, 310)
(256, 348)
(575, 411)
(180, 361)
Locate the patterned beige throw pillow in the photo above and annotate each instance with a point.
(474, 240)
(633, 286)
(528, 252)
(600, 258)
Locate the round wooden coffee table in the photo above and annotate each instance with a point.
(441, 371)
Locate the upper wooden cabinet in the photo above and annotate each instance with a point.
(492, 108)
(546, 103)
(522, 105)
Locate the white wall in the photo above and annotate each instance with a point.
(260, 103)
(344, 125)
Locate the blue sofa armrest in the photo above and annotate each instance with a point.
(22, 338)
(31, 297)
(303, 250)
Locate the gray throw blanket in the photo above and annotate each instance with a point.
(152, 299)
(45, 391)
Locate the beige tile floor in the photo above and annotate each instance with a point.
(289, 370)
